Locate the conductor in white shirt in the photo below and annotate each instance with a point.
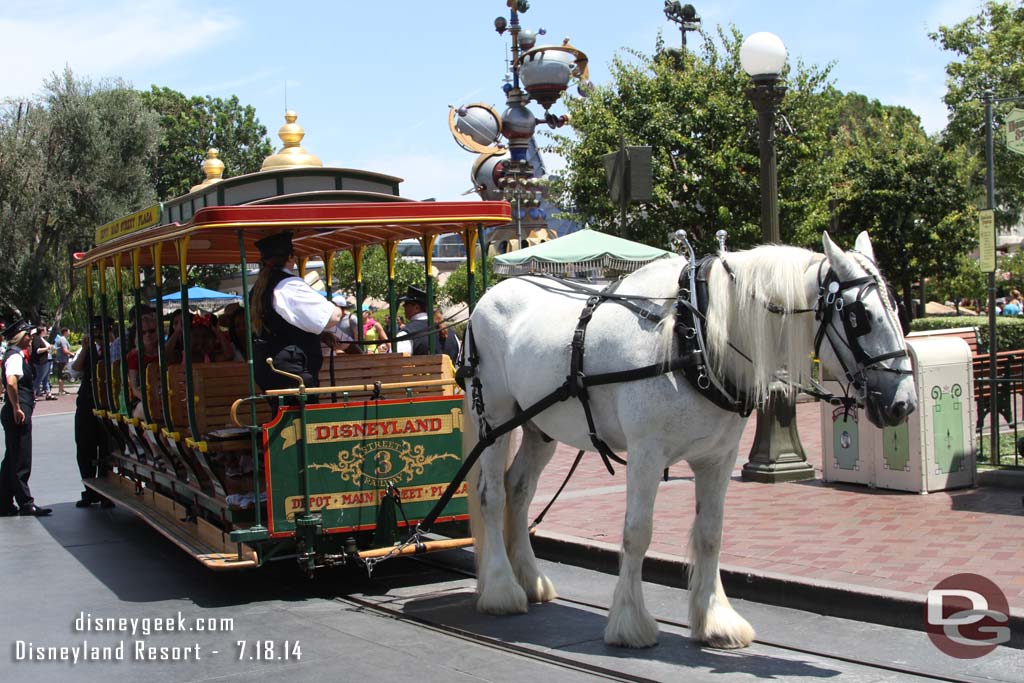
(288, 318)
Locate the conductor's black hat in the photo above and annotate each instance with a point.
(15, 331)
(278, 244)
(416, 295)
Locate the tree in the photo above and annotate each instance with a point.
(962, 283)
(989, 46)
(375, 273)
(191, 125)
(904, 188)
(455, 290)
(70, 161)
(703, 132)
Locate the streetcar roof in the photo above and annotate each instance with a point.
(317, 229)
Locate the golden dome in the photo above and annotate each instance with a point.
(291, 155)
(212, 167)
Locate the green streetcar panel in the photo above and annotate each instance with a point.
(356, 452)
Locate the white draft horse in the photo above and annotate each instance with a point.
(522, 330)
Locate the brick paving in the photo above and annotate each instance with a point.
(866, 539)
(63, 404)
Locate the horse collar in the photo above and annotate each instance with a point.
(691, 314)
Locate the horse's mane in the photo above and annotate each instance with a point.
(738, 316)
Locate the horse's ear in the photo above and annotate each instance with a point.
(863, 245)
(837, 258)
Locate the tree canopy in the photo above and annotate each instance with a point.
(845, 163)
(70, 161)
(191, 125)
(83, 154)
(703, 134)
(904, 188)
(988, 48)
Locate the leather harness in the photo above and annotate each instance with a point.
(690, 313)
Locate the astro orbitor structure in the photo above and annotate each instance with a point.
(503, 169)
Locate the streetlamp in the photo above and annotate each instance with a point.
(776, 454)
(684, 15)
(539, 73)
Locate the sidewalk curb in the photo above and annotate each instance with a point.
(880, 606)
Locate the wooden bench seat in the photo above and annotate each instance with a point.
(1009, 383)
(968, 334)
(1009, 372)
(101, 385)
(386, 368)
(216, 387)
(115, 383)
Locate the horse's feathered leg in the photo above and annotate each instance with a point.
(496, 587)
(712, 618)
(629, 622)
(520, 486)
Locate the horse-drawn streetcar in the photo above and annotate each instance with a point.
(665, 364)
(238, 476)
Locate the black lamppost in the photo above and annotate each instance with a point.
(776, 454)
(684, 15)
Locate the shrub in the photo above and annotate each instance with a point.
(1009, 331)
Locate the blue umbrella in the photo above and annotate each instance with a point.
(200, 296)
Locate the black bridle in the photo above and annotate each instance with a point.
(841, 302)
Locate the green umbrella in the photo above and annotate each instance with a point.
(585, 250)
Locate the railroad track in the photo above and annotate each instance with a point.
(570, 663)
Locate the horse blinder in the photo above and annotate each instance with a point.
(856, 322)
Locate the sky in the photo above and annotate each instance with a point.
(372, 81)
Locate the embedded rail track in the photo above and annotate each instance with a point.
(575, 662)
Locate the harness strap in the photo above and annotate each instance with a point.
(577, 382)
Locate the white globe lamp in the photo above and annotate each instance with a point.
(763, 56)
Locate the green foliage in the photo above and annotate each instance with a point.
(375, 273)
(1011, 275)
(72, 159)
(191, 125)
(963, 282)
(455, 290)
(904, 188)
(845, 163)
(1009, 331)
(703, 134)
(988, 48)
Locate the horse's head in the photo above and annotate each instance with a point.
(856, 313)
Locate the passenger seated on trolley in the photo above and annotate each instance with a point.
(209, 344)
(148, 332)
(289, 318)
(236, 332)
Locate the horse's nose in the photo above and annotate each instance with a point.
(898, 411)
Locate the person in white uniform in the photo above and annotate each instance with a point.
(289, 318)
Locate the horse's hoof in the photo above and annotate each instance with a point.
(727, 634)
(540, 589)
(642, 631)
(509, 601)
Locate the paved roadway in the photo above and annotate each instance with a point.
(106, 564)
